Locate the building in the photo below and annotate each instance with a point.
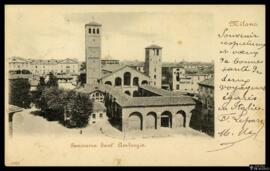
(18, 63)
(93, 52)
(189, 82)
(43, 67)
(138, 65)
(133, 98)
(153, 63)
(171, 72)
(125, 79)
(98, 113)
(109, 61)
(153, 108)
(206, 98)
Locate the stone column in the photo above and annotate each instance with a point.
(188, 117)
(158, 121)
(143, 122)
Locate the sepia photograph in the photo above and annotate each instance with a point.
(131, 83)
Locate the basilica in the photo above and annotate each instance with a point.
(133, 100)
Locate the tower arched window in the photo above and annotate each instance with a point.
(157, 52)
(94, 31)
(97, 31)
(89, 31)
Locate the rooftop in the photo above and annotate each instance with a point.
(92, 23)
(153, 47)
(112, 67)
(158, 91)
(166, 98)
(133, 63)
(208, 82)
(159, 101)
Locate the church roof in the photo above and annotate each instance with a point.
(92, 23)
(153, 47)
(112, 67)
(124, 100)
(123, 67)
(159, 101)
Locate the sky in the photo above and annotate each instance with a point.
(58, 32)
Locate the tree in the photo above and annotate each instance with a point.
(78, 109)
(82, 79)
(19, 92)
(24, 71)
(83, 66)
(53, 81)
(51, 104)
(37, 94)
(18, 71)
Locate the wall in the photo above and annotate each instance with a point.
(158, 110)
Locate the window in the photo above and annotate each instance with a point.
(177, 87)
(157, 51)
(93, 116)
(94, 31)
(100, 115)
(155, 76)
(177, 77)
(89, 31)
(97, 31)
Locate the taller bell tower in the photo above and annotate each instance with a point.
(93, 52)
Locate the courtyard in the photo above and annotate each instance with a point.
(28, 123)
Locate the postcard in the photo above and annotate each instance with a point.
(134, 85)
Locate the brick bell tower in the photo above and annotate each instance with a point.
(153, 64)
(93, 52)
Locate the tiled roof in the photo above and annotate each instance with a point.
(159, 101)
(18, 59)
(112, 67)
(44, 61)
(120, 68)
(68, 60)
(153, 47)
(133, 63)
(209, 82)
(158, 91)
(115, 92)
(92, 23)
(128, 101)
